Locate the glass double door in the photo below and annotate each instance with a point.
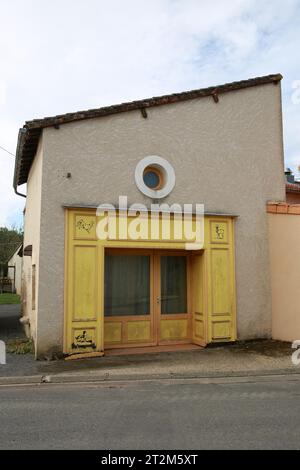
(146, 298)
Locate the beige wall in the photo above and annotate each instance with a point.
(32, 227)
(227, 155)
(284, 232)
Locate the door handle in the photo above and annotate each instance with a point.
(158, 300)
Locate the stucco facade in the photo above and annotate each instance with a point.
(227, 155)
(32, 232)
(284, 233)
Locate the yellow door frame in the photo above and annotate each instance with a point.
(212, 304)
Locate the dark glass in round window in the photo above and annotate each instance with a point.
(151, 179)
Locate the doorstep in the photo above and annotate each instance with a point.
(151, 349)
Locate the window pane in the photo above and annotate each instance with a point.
(173, 284)
(127, 285)
(151, 179)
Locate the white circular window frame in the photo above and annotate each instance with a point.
(164, 167)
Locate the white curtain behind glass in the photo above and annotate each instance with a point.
(127, 285)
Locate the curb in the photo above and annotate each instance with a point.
(241, 376)
(20, 380)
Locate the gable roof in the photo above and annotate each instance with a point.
(29, 134)
(18, 251)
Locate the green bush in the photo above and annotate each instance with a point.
(20, 346)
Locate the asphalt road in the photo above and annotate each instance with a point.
(152, 415)
(10, 326)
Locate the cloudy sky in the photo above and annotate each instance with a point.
(65, 55)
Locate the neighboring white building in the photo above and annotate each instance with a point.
(15, 269)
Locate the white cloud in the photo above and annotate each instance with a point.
(65, 55)
(2, 94)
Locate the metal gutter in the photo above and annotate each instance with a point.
(20, 144)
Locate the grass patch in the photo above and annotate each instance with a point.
(20, 346)
(6, 299)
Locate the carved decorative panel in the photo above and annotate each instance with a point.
(85, 227)
(218, 232)
(84, 339)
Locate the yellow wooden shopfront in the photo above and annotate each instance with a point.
(139, 293)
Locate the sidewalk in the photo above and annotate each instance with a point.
(251, 358)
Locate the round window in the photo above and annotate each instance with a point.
(152, 178)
